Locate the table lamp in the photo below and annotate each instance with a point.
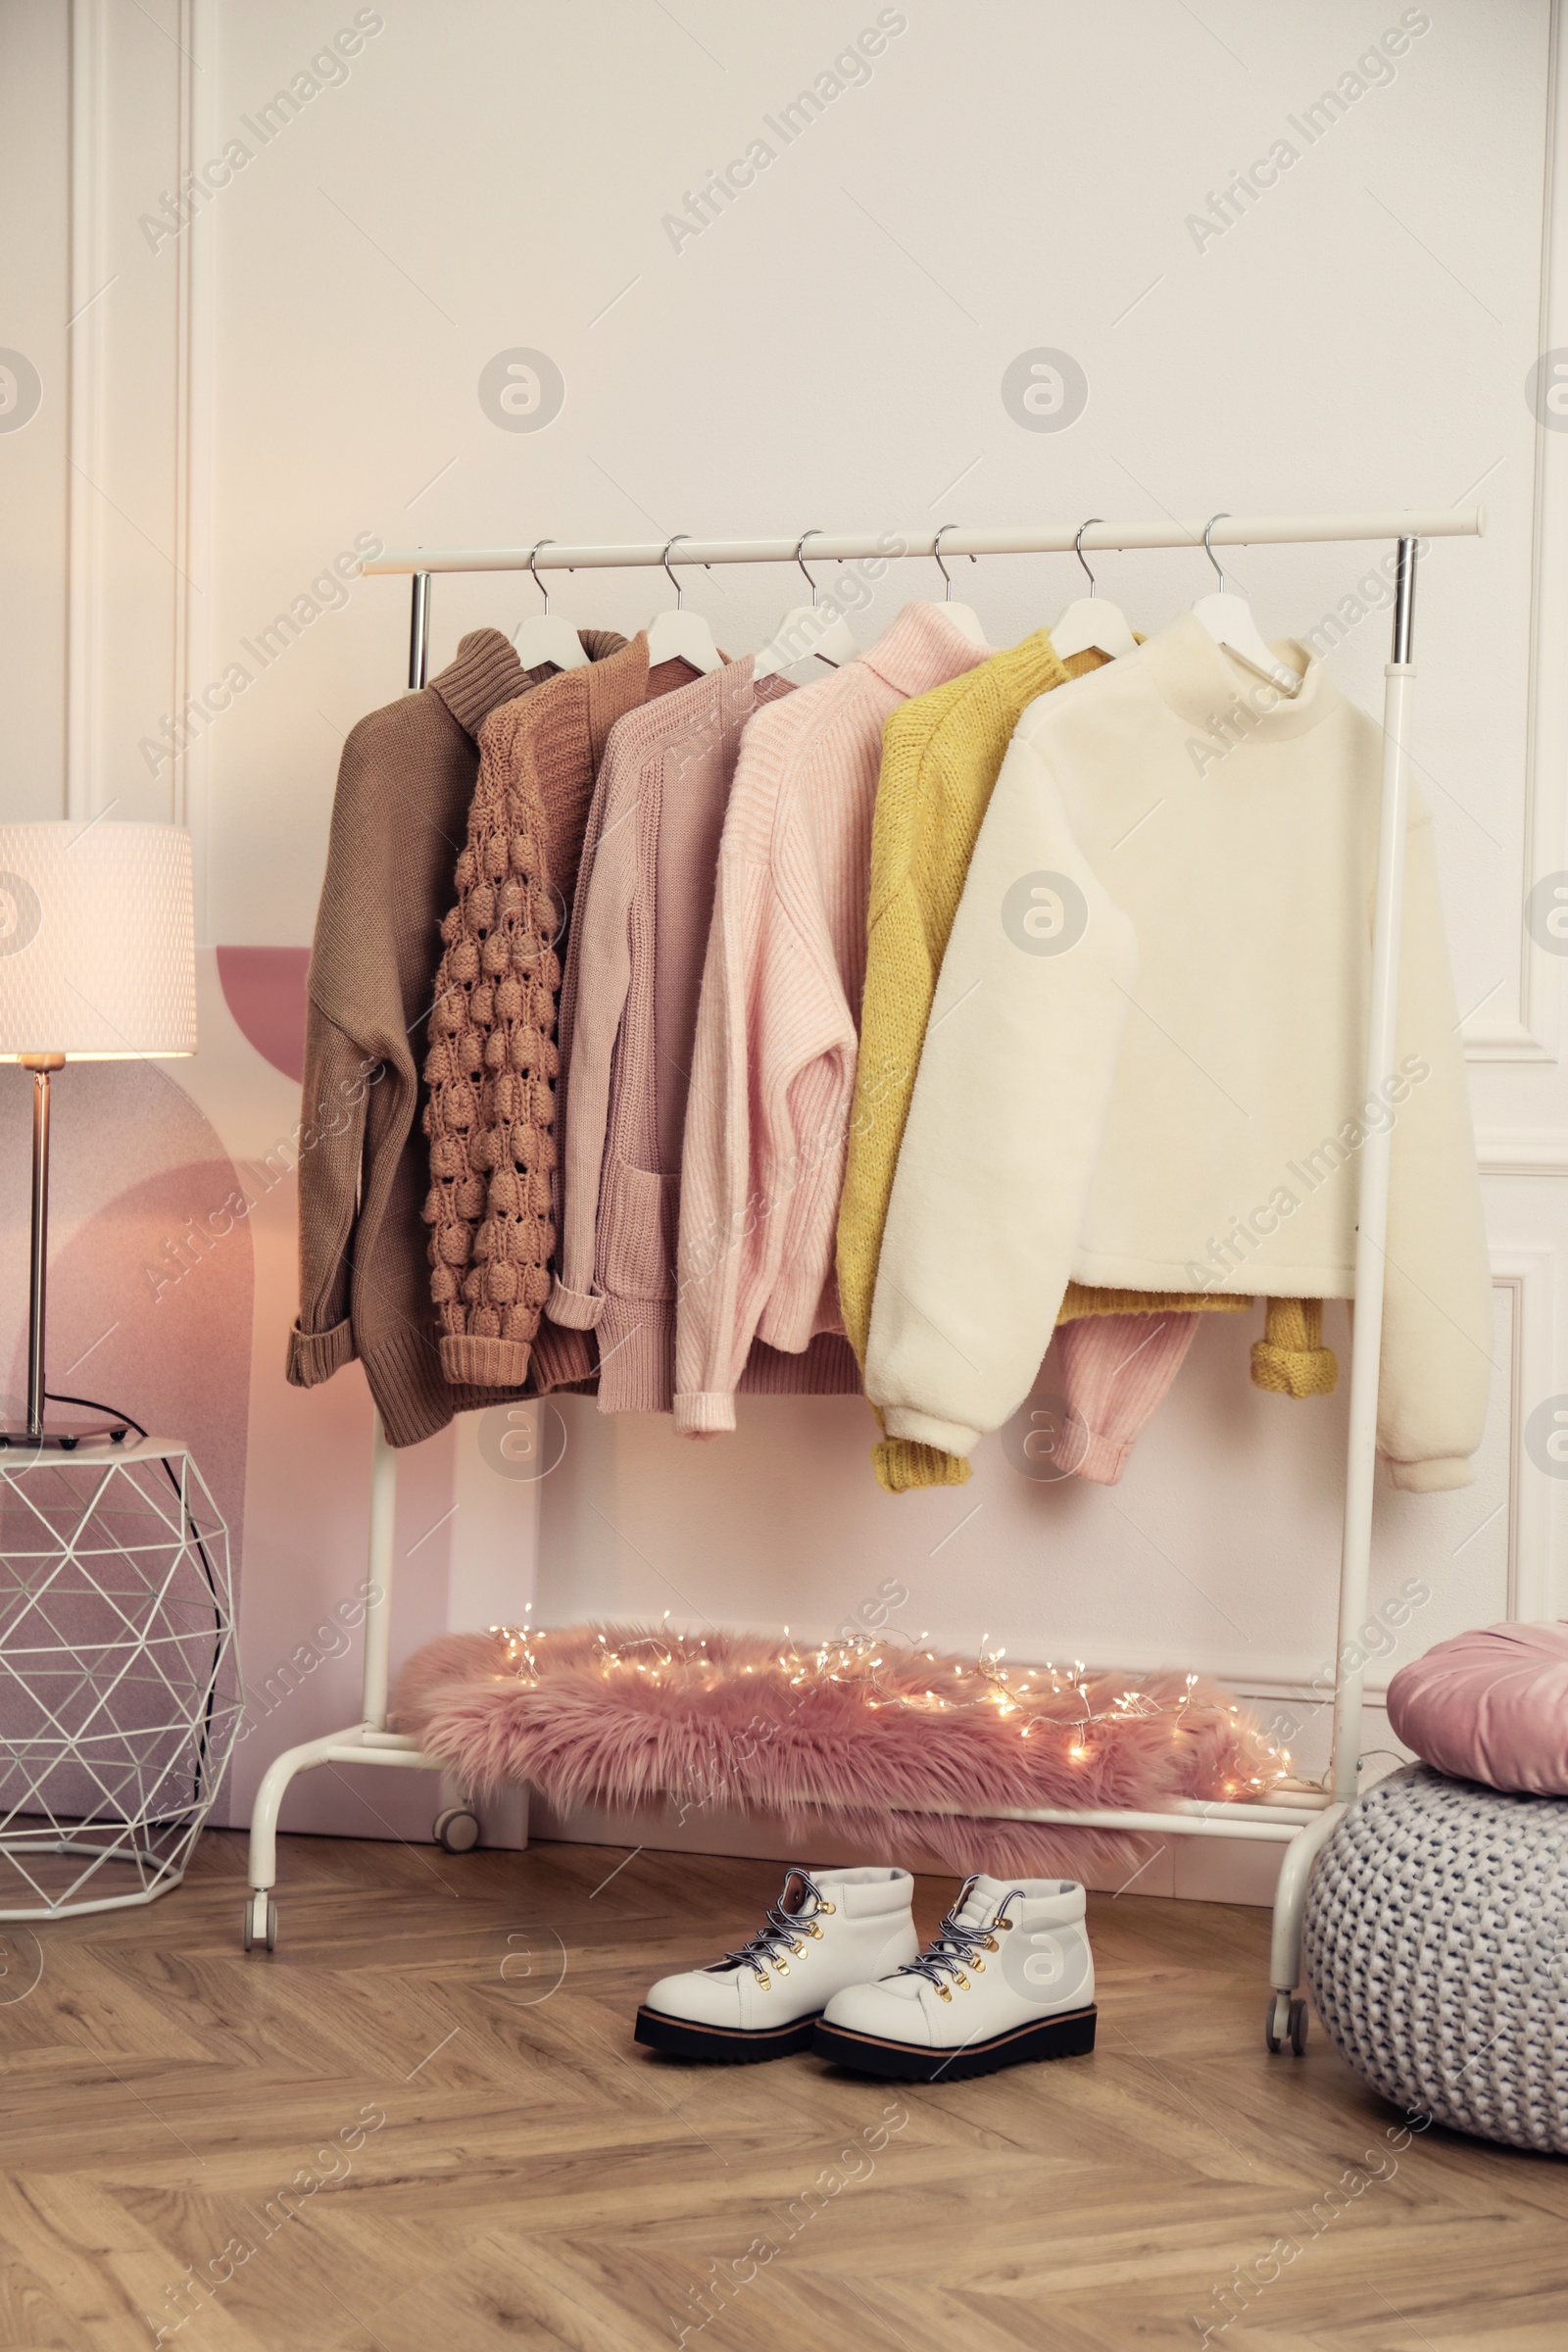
(97, 963)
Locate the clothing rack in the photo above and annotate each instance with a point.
(1302, 1824)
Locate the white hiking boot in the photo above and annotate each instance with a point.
(1007, 1975)
(828, 1928)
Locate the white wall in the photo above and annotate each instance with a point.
(300, 365)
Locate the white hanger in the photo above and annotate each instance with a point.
(546, 636)
(1091, 623)
(804, 627)
(678, 635)
(1229, 622)
(964, 618)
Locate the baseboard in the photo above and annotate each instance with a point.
(1205, 1870)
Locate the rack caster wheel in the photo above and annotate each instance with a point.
(260, 1919)
(1286, 2022)
(457, 1830)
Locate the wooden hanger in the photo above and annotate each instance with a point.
(545, 636)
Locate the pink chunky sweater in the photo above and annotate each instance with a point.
(492, 1058)
(628, 1014)
(777, 1025)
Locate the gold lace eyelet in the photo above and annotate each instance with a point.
(991, 1945)
(783, 1966)
(827, 1906)
(979, 1967)
(766, 1982)
(963, 1982)
(815, 1933)
(943, 1995)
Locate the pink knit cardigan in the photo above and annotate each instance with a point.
(778, 1019)
(628, 1014)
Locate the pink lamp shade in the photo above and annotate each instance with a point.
(97, 942)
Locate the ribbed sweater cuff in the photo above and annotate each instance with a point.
(1103, 1461)
(485, 1364)
(636, 1354)
(574, 1311)
(901, 1467)
(404, 1372)
(1081, 1299)
(948, 1436)
(314, 1355)
(561, 1358)
(1294, 1371)
(1432, 1478)
(703, 1411)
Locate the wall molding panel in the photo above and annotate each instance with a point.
(1537, 1517)
(1545, 842)
(1521, 1154)
(89, 108)
(194, 579)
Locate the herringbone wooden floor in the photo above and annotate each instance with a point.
(423, 2126)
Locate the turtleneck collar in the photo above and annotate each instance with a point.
(1204, 681)
(486, 672)
(923, 648)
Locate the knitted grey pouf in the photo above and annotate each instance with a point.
(1435, 1943)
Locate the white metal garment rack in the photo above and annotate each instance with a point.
(1302, 1824)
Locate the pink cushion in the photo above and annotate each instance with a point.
(1490, 1706)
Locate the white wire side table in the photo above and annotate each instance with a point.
(118, 1682)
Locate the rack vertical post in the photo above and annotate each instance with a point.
(1287, 2017)
(369, 1742)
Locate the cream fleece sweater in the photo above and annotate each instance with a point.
(1145, 1061)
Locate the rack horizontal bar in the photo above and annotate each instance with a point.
(1024, 539)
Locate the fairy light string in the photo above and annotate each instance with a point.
(1061, 1701)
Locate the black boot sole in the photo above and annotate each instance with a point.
(1070, 2036)
(721, 2045)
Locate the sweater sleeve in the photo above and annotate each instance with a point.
(1005, 1125)
(600, 947)
(1435, 1369)
(490, 1070)
(338, 1077)
(764, 1146)
(719, 1249)
(898, 992)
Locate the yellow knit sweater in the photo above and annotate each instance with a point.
(940, 754)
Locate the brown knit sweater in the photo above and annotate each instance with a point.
(404, 790)
(493, 1059)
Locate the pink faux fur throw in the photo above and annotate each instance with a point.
(904, 1750)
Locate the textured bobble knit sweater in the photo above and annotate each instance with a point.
(777, 1025)
(493, 1058)
(628, 1016)
(404, 789)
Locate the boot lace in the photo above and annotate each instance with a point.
(782, 1929)
(957, 1945)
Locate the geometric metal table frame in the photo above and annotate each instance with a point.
(119, 1679)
